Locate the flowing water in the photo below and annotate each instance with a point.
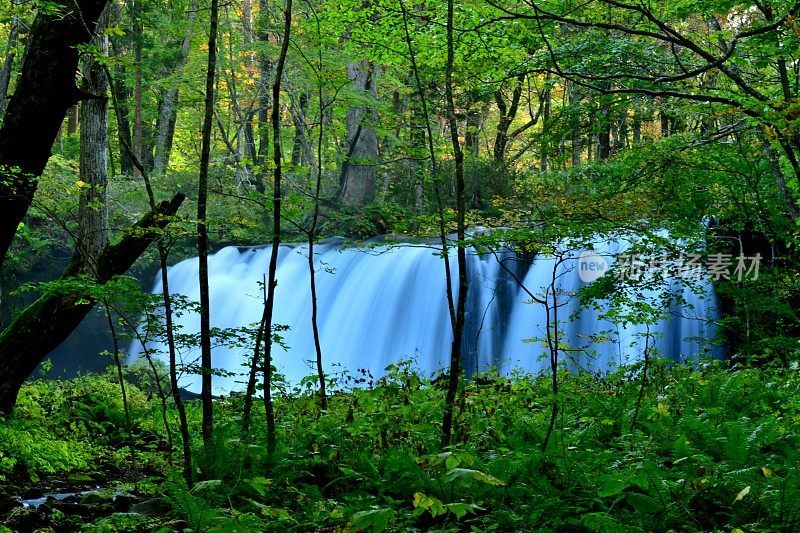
(387, 303)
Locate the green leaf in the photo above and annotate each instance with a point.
(643, 503)
(461, 509)
(377, 519)
(477, 475)
(610, 486)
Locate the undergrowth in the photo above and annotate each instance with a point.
(712, 449)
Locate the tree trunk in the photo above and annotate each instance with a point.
(43, 325)
(121, 97)
(168, 111)
(202, 250)
(93, 209)
(265, 68)
(357, 179)
(604, 124)
(45, 90)
(547, 100)
(472, 135)
(507, 115)
(463, 286)
(301, 149)
(72, 120)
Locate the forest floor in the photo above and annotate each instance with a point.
(695, 449)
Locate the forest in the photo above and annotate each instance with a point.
(393, 265)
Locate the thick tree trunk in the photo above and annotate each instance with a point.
(357, 179)
(45, 90)
(168, 111)
(43, 325)
(507, 115)
(93, 210)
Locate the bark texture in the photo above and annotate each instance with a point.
(45, 90)
(357, 179)
(93, 209)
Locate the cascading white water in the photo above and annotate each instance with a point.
(383, 304)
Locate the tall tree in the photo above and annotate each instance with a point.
(276, 226)
(202, 246)
(463, 286)
(93, 209)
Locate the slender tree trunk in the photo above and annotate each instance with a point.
(72, 120)
(312, 233)
(472, 135)
(575, 104)
(276, 229)
(255, 365)
(202, 248)
(636, 126)
(604, 123)
(458, 328)
(136, 30)
(173, 365)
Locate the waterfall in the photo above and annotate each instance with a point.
(386, 303)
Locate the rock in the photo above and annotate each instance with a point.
(98, 497)
(80, 477)
(25, 519)
(7, 503)
(124, 502)
(31, 493)
(151, 507)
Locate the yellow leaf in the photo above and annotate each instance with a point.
(766, 471)
(662, 409)
(742, 493)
